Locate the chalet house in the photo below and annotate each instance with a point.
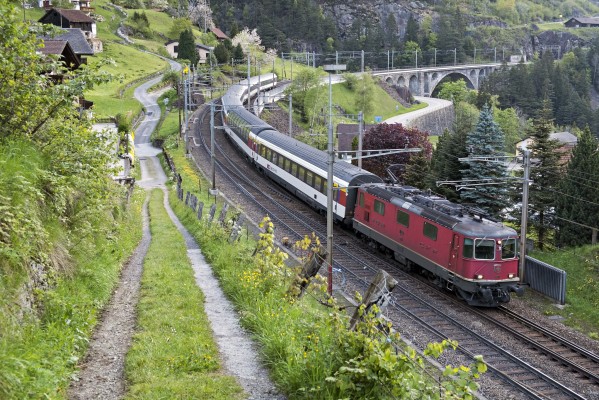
(220, 35)
(568, 142)
(582, 22)
(70, 19)
(76, 39)
(172, 48)
(83, 5)
(63, 49)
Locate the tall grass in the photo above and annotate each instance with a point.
(47, 315)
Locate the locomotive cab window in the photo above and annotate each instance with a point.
(379, 207)
(484, 249)
(509, 249)
(430, 231)
(403, 218)
(468, 248)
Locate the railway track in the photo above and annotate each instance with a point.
(444, 317)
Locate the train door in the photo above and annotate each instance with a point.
(454, 254)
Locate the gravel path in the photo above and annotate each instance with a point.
(102, 372)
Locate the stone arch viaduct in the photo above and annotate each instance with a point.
(423, 81)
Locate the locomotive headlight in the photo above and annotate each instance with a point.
(499, 242)
(510, 275)
(478, 276)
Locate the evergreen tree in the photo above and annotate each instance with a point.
(578, 201)
(238, 52)
(187, 47)
(417, 171)
(486, 140)
(222, 54)
(391, 33)
(411, 30)
(544, 173)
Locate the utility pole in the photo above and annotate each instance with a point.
(524, 221)
(290, 113)
(360, 134)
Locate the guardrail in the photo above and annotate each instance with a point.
(546, 279)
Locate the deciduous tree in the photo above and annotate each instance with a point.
(394, 136)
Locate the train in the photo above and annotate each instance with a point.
(456, 247)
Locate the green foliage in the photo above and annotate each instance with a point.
(311, 352)
(364, 99)
(545, 174)
(455, 91)
(140, 25)
(486, 140)
(179, 26)
(187, 47)
(579, 195)
(62, 218)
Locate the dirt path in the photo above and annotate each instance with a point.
(102, 372)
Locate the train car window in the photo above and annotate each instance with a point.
(468, 248)
(403, 218)
(282, 161)
(325, 186)
(268, 154)
(379, 207)
(509, 249)
(430, 231)
(275, 158)
(301, 173)
(318, 183)
(263, 151)
(310, 178)
(484, 249)
(361, 200)
(294, 169)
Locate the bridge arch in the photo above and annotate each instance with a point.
(452, 77)
(414, 84)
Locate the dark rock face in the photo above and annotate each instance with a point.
(345, 13)
(557, 42)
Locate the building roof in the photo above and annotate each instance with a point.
(70, 15)
(346, 134)
(171, 41)
(219, 34)
(203, 46)
(63, 49)
(52, 46)
(564, 137)
(76, 39)
(585, 20)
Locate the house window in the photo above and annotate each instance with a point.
(430, 231)
(403, 218)
(379, 207)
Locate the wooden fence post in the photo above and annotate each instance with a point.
(378, 293)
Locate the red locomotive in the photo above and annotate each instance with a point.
(475, 257)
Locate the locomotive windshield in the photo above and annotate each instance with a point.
(509, 249)
(480, 249)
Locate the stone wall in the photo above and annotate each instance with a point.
(434, 122)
